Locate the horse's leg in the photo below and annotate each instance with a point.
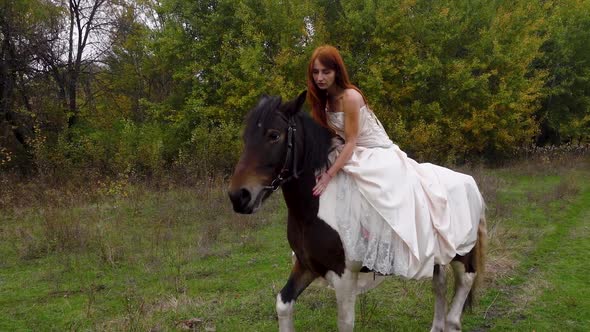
(299, 279)
(467, 269)
(345, 287)
(439, 287)
(464, 279)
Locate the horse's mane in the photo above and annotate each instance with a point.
(317, 143)
(316, 139)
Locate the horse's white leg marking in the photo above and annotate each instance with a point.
(463, 283)
(285, 314)
(345, 287)
(439, 287)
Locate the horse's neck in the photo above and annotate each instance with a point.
(302, 205)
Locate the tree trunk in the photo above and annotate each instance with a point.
(6, 79)
(73, 117)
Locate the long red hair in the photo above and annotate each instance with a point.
(330, 58)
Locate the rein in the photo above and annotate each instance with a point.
(290, 158)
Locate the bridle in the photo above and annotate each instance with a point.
(290, 160)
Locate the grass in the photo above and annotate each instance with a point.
(124, 261)
(548, 290)
(118, 256)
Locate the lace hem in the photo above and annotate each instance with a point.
(366, 236)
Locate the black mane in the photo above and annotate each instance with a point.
(317, 143)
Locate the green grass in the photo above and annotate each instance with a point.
(550, 287)
(134, 258)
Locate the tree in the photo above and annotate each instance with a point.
(24, 27)
(451, 80)
(565, 112)
(66, 57)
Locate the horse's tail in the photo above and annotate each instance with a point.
(481, 247)
(478, 258)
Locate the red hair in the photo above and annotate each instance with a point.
(330, 58)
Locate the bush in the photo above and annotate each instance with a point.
(211, 150)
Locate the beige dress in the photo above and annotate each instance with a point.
(394, 215)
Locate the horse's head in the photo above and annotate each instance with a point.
(269, 152)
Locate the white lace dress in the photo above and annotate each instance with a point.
(394, 215)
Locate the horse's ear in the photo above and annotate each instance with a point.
(301, 100)
(263, 98)
(294, 106)
(273, 101)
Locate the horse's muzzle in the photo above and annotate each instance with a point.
(241, 200)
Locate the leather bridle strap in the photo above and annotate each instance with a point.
(290, 158)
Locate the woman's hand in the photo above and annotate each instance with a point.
(322, 183)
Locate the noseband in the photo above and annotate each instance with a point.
(290, 159)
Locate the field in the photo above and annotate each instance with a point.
(126, 256)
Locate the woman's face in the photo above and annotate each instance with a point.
(323, 76)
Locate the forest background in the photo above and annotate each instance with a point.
(149, 88)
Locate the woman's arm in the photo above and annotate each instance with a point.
(351, 107)
(351, 129)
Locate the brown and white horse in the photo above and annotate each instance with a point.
(284, 147)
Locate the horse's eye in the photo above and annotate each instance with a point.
(274, 136)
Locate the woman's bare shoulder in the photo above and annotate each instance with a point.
(353, 99)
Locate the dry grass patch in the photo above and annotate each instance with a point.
(530, 291)
(549, 160)
(491, 185)
(116, 218)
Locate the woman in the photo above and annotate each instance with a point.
(393, 214)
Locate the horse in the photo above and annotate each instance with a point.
(285, 148)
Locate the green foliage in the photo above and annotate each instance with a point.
(211, 149)
(232, 52)
(456, 74)
(451, 80)
(565, 114)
